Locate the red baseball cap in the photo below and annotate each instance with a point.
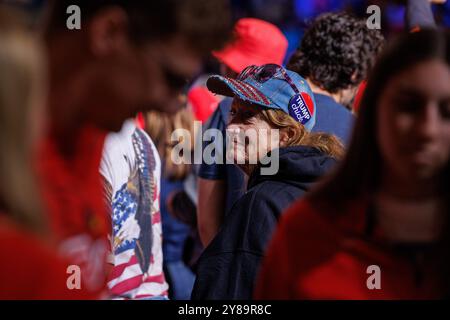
(257, 42)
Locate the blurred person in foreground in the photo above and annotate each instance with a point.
(256, 42)
(272, 114)
(131, 166)
(128, 56)
(30, 265)
(336, 54)
(387, 205)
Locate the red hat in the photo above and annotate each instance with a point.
(203, 103)
(257, 42)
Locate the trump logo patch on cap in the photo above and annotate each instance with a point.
(301, 108)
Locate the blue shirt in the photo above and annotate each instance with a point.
(333, 118)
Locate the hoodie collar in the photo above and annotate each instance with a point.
(297, 165)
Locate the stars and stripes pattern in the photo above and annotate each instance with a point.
(138, 262)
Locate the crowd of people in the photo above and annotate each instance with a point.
(336, 163)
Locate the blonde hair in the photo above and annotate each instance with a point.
(298, 135)
(21, 100)
(160, 126)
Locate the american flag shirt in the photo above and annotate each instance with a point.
(132, 170)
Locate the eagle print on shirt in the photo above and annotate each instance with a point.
(133, 205)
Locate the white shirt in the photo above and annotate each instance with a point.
(132, 171)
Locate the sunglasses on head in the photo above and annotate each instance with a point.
(266, 72)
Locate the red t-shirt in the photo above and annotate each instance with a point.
(31, 269)
(325, 254)
(73, 194)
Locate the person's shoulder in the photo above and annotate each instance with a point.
(119, 155)
(341, 111)
(306, 220)
(300, 209)
(333, 117)
(122, 143)
(324, 101)
(122, 140)
(321, 220)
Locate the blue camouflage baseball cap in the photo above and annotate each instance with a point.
(273, 87)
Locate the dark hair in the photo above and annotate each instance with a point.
(359, 172)
(358, 176)
(337, 51)
(206, 24)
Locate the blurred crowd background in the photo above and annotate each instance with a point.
(294, 16)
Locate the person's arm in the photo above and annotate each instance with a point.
(212, 184)
(210, 210)
(419, 14)
(106, 174)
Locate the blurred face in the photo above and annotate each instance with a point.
(414, 122)
(169, 67)
(101, 77)
(150, 77)
(252, 136)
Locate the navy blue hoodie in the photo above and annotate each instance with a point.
(228, 267)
